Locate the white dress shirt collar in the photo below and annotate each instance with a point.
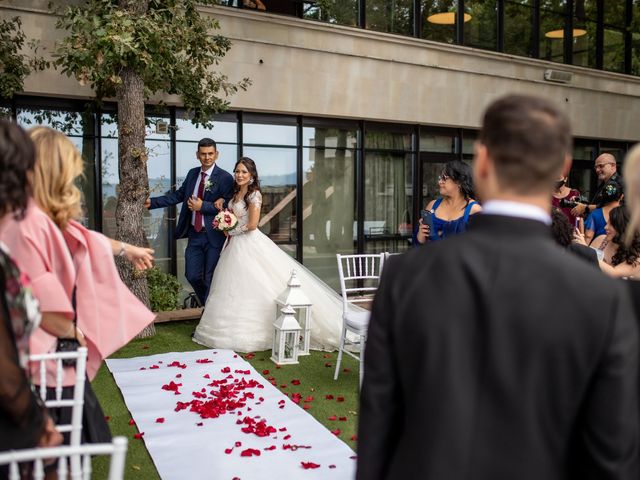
(516, 209)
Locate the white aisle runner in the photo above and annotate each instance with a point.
(230, 422)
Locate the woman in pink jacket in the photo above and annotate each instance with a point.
(73, 271)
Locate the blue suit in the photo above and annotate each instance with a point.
(203, 249)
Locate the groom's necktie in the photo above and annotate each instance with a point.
(197, 224)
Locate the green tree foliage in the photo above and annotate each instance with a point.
(170, 46)
(15, 66)
(163, 290)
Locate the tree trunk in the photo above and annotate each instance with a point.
(134, 183)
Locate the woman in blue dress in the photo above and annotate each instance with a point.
(452, 209)
(594, 225)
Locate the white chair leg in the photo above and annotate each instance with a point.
(343, 338)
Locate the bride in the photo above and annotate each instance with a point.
(251, 273)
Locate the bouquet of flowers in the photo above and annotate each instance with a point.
(225, 221)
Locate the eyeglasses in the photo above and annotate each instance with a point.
(443, 177)
(602, 165)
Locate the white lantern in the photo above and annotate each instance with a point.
(296, 299)
(286, 338)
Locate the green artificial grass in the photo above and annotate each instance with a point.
(314, 372)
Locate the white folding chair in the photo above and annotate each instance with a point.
(117, 450)
(77, 402)
(359, 279)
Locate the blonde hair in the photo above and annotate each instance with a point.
(58, 165)
(631, 175)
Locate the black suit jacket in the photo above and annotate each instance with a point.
(221, 187)
(495, 355)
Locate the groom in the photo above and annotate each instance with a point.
(202, 186)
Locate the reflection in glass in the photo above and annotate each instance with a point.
(224, 129)
(390, 16)
(580, 178)
(5, 112)
(328, 204)
(156, 222)
(481, 30)
(387, 201)
(269, 133)
(438, 142)
(340, 12)
(445, 33)
(69, 123)
(613, 51)
(518, 32)
(584, 44)
(328, 137)
(277, 171)
(387, 140)
(551, 48)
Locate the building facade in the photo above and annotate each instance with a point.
(356, 105)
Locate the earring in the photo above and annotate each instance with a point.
(251, 181)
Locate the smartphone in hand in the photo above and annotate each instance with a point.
(427, 218)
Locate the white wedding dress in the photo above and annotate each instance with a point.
(251, 273)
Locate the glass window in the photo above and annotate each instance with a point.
(269, 130)
(438, 142)
(439, 20)
(469, 138)
(225, 129)
(635, 39)
(613, 51)
(328, 209)
(584, 43)
(341, 12)
(277, 172)
(388, 197)
(518, 31)
(379, 138)
(390, 16)
(552, 26)
(80, 129)
(431, 169)
(481, 30)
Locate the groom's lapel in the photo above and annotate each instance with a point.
(213, 182)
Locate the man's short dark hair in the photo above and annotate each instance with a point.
(207, 142)
(527, 138)
(17, 157)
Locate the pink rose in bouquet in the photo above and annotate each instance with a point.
(225, 220)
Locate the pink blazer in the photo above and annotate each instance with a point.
(107, 312)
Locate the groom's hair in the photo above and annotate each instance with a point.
(207, 142)
(527, 138)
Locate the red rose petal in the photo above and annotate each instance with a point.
(278, 366)
(138, 436)
(228, 450)
(132, 422)
(308, 399)
(206, 375)
(179, 375)
(226, 370)
(286, 437)
(199, 424)
(340, 399)
(145, 347)
(249, 355)
(160, 420)
(306, 406)
(272, 447)
(343, 419)
(283, 429)
(308, 465)
(250, 452)
(332, 466)
(107, 418)
(336, 431)
(238, 444)
(295, 382)
(333, 418)
(354, 438)
(326, 355)
(328, 365)
(346, 370)
(265, 372)
(328, 397)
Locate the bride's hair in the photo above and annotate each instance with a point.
(250, 165)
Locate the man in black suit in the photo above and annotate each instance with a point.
(202, 186)
(493, 355)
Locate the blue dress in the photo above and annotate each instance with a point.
(444, 228)
(596, 222)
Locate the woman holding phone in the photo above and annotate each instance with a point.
(448, 214)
